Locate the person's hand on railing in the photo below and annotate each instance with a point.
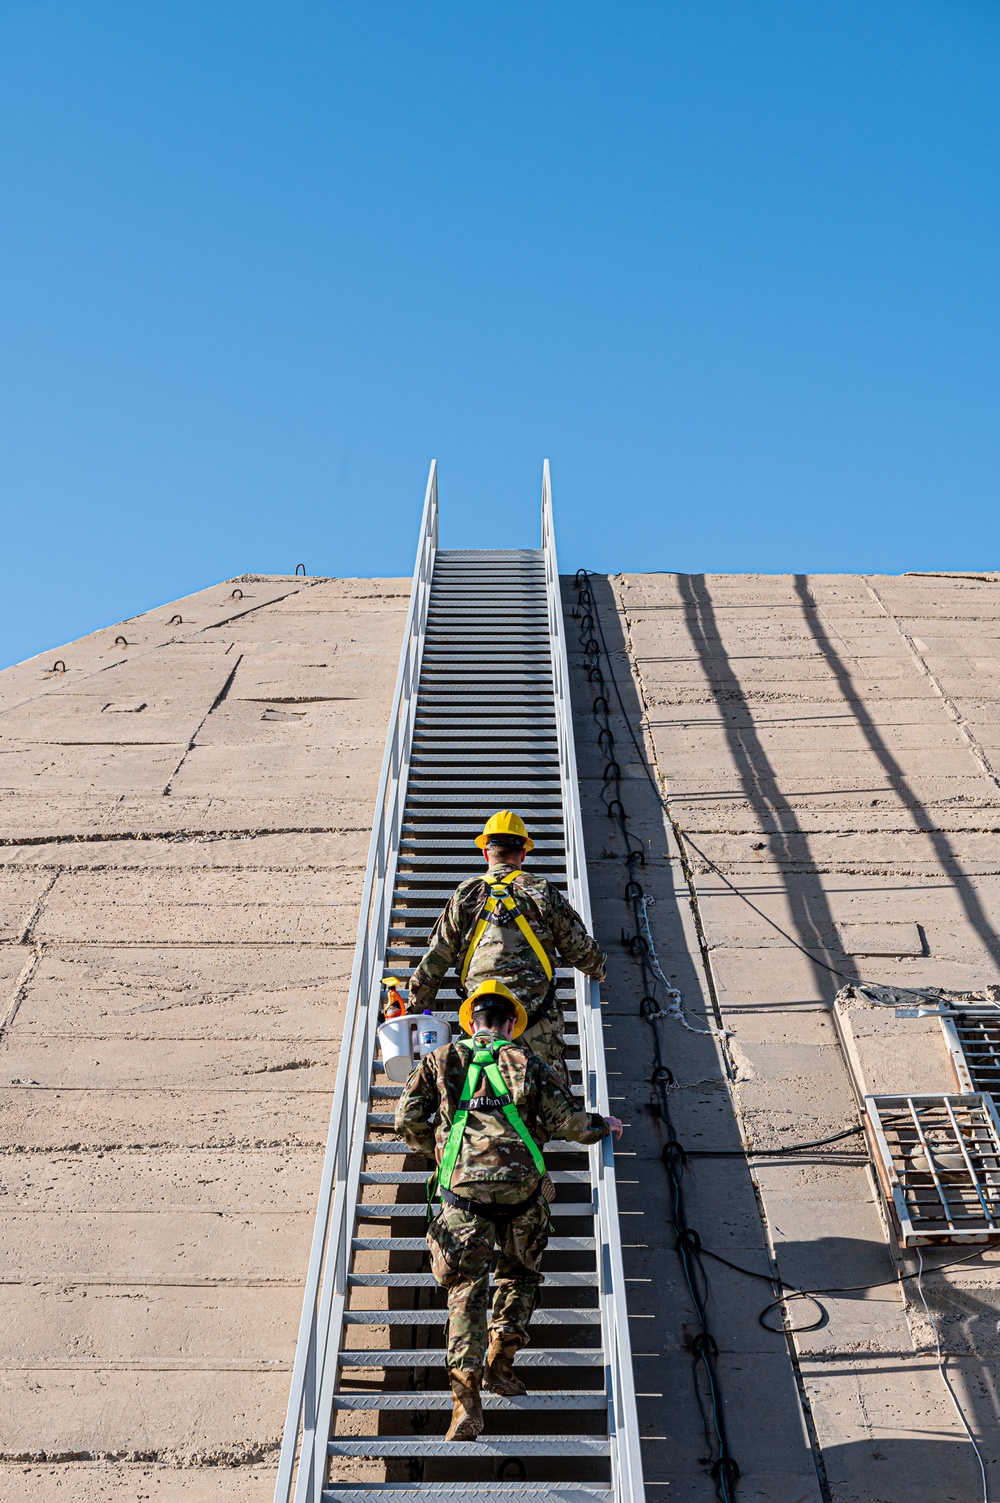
(615, 1126)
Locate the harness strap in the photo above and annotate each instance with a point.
(489, 1103)
(499, 894)
(492, 1210)
(482, 1060)
(544, 1006)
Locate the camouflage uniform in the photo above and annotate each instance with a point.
(503, 953)
(493, 1166)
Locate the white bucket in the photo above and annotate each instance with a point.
(396, 1042)
(431, 1034)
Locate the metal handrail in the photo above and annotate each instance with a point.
(302, 1463)
(623, 1419)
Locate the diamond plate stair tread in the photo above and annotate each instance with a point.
(552, 1356)
(418, 1244)
(533, 798)
(438, 1317)
(554, 1398)
(397, 1146)
(471, 1492)
(549, 1445)
(417, 1210)
(421, 1176)
(461, 790)
(428, 1281)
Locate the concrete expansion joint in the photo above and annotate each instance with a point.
(31, 920)
(252, 1453)
(198, 728)
(234, 1146)
(978, 754)
(25, 974)
(92, 837)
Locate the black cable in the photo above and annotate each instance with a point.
(704, 1348)
(771, 1153)
(793, 1292)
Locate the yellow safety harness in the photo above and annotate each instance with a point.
(500, 895)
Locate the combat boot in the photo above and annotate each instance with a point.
(500, 1376)
(467, 1406)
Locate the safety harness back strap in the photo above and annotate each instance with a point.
(484, 1061)
(499, 894)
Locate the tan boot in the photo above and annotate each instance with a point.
(467, 1406)
(500, 1376)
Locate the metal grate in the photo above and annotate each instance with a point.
(973, 1040)
(938, 1165)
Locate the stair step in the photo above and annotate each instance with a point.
(551, 1317)
(470, 1492)
(418, 1244)
(417, 1209)
(547, 1445)
(533, 1356)
(428, 1281)
(549, 1398)
(421, 1176)
(397, 1146)
(530, 798)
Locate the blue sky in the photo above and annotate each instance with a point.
(733, 265)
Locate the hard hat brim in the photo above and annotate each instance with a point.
(466, 1009)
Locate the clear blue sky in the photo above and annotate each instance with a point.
(733, 265)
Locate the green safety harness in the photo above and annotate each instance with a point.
(483, 1062)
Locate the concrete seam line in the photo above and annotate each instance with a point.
(978, 754)
(194, 734)
(136, 657)
(24, 977)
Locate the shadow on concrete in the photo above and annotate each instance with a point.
(921, 816)
(908, 1470)
(807, 901)
(642, 801)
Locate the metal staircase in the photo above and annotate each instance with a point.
(481, 720)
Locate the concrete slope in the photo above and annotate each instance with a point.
(184, 820)
(829, 747)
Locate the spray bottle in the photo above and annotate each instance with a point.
(395, 1004)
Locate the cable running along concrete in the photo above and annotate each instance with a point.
(704, 1348)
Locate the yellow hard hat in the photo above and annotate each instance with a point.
(505, 822)
(491, 989)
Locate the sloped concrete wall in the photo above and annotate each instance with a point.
(829, 746)
(184, 822)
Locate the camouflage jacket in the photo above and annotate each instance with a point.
(493, 1163)
(503, 953)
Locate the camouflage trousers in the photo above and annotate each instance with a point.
(461, 1248)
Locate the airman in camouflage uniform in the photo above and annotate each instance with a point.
(494, 1170)
(504, 952)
